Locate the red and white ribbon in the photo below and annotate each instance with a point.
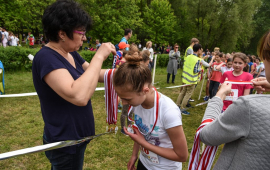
(238, 82)
(206, 160)
(156, 110)
(111, 97)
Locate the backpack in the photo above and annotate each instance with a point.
(1, 36)
(117, 47)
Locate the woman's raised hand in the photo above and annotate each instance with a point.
(105, 50)
(261, 84)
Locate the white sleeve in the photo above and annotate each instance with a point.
(223, 69)
(172, 118)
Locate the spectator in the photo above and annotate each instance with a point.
(97, 44)
(13, 40)
(5, 37)
(28, 37)
(122, 46)
(65, 82)
(189, 50)
(150, 49)
(140, 46)
(89, 39)
(1, 37)
(127, 36)
(168, 49)
(17, 40)
(172, 64)
(162, 48)
(31, 41)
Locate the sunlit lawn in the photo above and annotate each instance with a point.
(21, 126)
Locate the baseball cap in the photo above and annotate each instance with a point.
(123, 45)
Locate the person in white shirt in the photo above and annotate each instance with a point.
(5, 39)
(260, 72)
(223, 67)
(17, 40)
(13, 39)
(158, 131)
(150, 49)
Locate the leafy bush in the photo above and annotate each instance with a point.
(88, 55)
(15, 58)
(162, 60)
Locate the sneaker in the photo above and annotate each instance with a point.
(191, 100)
(123, 132)
(188, 105)
(206, 98)
(184, 112)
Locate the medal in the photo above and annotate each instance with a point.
(156, 107)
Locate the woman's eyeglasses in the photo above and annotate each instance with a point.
(80, 32)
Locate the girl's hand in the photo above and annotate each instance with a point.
(261, 84)
(225, 89)
(136, 136)
(131, 163)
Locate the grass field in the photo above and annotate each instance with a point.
(21, 126)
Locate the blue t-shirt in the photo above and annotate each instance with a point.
(249, 68)
(63, 120)
(125, 41)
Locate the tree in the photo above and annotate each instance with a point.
(222, 23)
(159, 22)
(261, 22)
(112, 17)
(20, 15)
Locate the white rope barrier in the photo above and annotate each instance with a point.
(154, 72)
(171, 87)
(51, 146)
(35, 93)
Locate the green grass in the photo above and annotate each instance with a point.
(21, 126)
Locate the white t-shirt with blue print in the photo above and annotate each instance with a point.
(169, 116)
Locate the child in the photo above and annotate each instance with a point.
(227, 67)
(216, 75)
(160, 135)
(259, 69)
(239, 62)
(122, 46)
(250, 64)
(31, 41)
(146, 57)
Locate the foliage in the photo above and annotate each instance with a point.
(15, 58)
(223, 23)
(232, 25)
(111, 18)
(18, 15)
(88, 55)
(159, 22)
(262, 24)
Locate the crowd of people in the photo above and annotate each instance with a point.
(7, 38)
(65, 83)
